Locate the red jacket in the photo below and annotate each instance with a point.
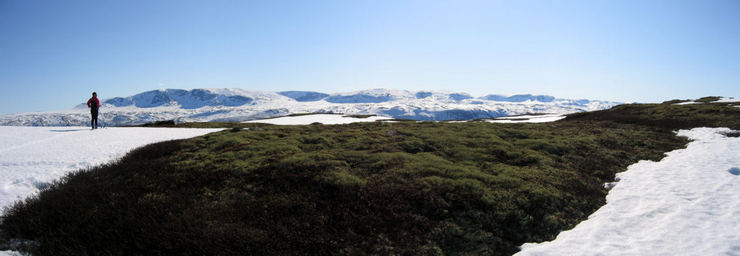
(91, 100)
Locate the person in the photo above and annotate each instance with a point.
(93, 103)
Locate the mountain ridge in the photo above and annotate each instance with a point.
(235, 105)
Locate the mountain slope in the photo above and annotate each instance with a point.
(520, 98)
(203, 105)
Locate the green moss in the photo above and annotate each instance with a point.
(708, 99)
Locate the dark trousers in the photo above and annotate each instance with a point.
(94, 121)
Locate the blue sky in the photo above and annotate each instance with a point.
(53, 54)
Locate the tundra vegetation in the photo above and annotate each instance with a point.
(402, 188)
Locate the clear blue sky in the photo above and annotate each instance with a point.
(53, 54)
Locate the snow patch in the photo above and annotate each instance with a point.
(686, 204)
(31, 158)
(10, 253)
(688, 103)
(728, 100)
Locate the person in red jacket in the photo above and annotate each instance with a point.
(93, 103)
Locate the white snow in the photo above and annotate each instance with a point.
(721, 100)
(32, 157)
(686, 204)
(688, 103)
(184, 106)
(528, 119)
(728, 100)
(317, 118)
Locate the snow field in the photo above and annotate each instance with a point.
(32, 157)
(686, 204)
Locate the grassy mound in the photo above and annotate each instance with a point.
(670, 115)
(367, 188)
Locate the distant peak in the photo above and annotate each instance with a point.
(304, 96)
(519, 98)
(188, 99)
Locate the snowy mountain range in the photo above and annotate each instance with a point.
(236, 105)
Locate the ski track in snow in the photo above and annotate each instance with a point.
(33, 157)
(686, 204)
